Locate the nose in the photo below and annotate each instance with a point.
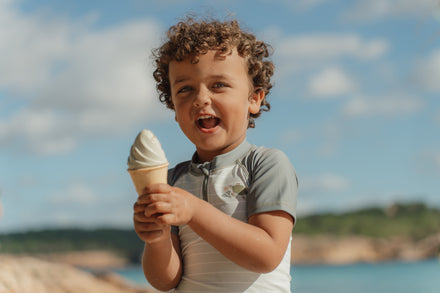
(202, 98)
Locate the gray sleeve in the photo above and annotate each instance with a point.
(172, 177)
(273, 183)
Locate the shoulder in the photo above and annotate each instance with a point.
(273, 181)
(266, 154)
(177, 171)
(263, 157)
(267, 162)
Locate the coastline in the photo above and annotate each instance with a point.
(25, 274)
(93, 270)
(333, 250)
(28, 274)
(315, 249)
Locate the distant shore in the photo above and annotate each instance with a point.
(327, 249)
(317, 249)
(91, 271)
(28, 274)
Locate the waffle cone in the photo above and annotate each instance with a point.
(143, 177)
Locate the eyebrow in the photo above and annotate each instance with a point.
(221, 76)
(178, 80)
(181, 79)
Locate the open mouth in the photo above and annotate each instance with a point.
(208, 122)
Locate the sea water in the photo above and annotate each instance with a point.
(388, 277)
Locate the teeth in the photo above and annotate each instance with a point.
(207, 121)
(206, 117)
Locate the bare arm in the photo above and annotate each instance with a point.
(161, 260)
(258, 245)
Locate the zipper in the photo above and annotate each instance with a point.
(205, 187)
(206, 170)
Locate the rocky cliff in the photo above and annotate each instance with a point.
(19, 274)
(327, 249)
(57, 273)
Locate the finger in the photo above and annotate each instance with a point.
(157, 208)
(149, 227)
(140, 217)
(154, 236)
(152, 198)
(138, 208)
(167, 219)
(143, 199)
(148, 199)
(157, 188)
(151, 236)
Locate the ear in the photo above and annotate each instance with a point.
(255, 101)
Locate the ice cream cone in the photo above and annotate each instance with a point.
(146, 176)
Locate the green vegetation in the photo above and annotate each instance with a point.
(124, 242)
(414, 220)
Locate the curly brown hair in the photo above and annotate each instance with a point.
(191, 38)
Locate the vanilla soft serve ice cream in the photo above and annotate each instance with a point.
(146, 152)
(147, 163)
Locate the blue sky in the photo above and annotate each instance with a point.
(355, 106)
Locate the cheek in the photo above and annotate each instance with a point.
(179, 117)
(179, 111)
(238, 114)
(182, 118)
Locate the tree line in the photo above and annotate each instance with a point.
(415, 220)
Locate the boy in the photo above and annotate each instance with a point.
(224, 222)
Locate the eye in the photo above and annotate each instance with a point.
(219, 85)
(184, 89)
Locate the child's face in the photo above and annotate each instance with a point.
(212, 101)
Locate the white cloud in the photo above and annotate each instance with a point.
(80, 204)
(323, 46)
(44, 130)
(427, 72)
(392, 105)
(331, 82)
(75, 81)
(291, 136)
(302, 52)
(365, 10)
(323, 183)
(427, 162)
(75, 194)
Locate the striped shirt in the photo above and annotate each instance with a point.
(246, 181)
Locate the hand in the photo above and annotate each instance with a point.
(149, 229)
(168, 205)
